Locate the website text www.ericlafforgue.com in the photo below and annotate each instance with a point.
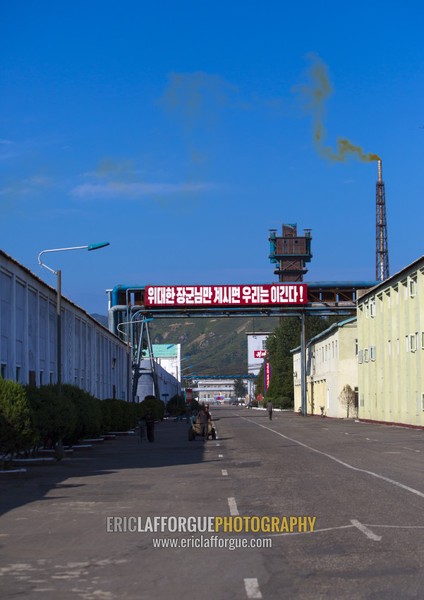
(256, 526)
(213, 541)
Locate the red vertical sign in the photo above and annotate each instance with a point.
(267, 374)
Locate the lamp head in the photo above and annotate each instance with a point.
(97, 246)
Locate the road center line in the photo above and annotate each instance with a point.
(340, 462)
(251, 586)
(233, 507)
(224, 472)
(366, 531)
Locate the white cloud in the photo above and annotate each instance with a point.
(135, 190)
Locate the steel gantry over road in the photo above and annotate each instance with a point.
(132, 307)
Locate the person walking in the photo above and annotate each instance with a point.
(203, 420)
(149, 419)
(269, 409)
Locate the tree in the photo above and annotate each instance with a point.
(239, 388)
(347, 398)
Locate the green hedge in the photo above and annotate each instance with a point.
(156, 406)
(32, 416)
(16, 430)
(53, 418)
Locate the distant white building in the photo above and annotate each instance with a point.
(256, 352)
(167, 359)
(215, 389)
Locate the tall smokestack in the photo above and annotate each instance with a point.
(381, 245)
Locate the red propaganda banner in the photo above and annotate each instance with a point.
(226, 295)
(259, 353)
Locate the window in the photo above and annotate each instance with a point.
(373, 353)
(18, 374)
(412, 287)
(41, 377)
(366, 355)
(372, 308)
(413, 342)
(32, 379)
(3, 370)
(360, 357)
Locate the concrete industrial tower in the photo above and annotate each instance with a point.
(290, 253)
(381, 246)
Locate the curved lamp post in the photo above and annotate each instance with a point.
(58, 274)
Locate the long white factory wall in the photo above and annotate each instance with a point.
(93, 358)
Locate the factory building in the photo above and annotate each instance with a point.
(331, 365)
(391, 349)
(93, 358)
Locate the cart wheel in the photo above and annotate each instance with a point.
(213, 434)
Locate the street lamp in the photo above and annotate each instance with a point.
(58, 274)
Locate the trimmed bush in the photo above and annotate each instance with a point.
(16, 431)
(87, 410)
(119, 415)
(176, 406)
(156, 406)
(54, 418)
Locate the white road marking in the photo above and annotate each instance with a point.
(341, 462)
(220, 456)
(251, 586)
(353, 523)
(224, 472)
(366, 531)
(233, 507)
(411, 449)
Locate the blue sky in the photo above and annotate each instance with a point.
(182, 131)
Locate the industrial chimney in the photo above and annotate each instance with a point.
(381, 246)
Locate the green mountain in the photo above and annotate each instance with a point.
(213, 346)
(216, 346)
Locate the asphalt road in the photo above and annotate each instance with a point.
(363, 483)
